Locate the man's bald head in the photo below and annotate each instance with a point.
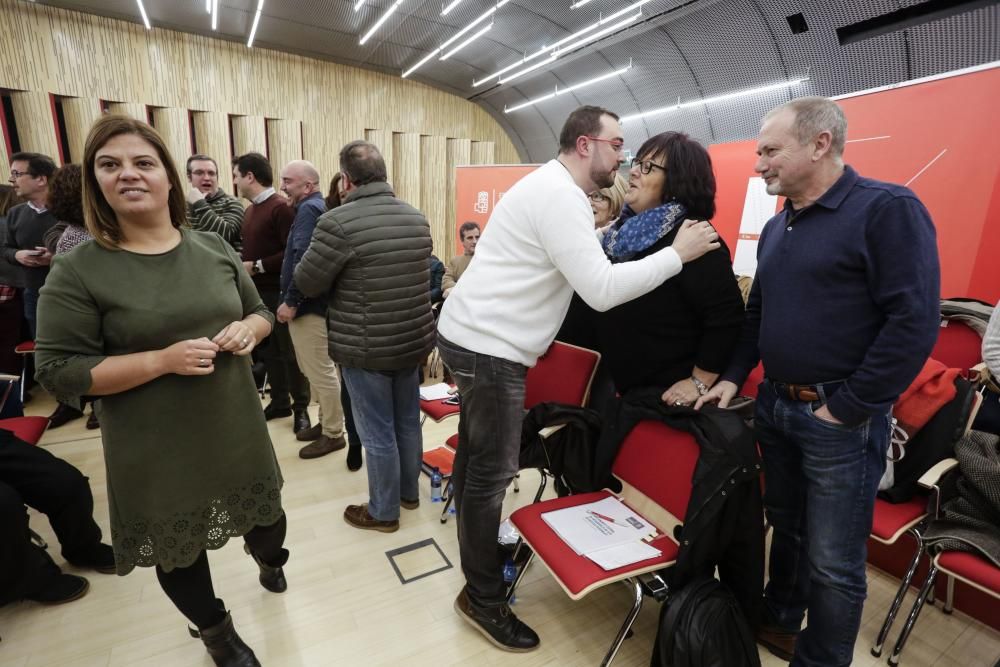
(299, 179)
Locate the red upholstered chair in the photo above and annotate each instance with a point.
(655, 465)
(891, 521)
(969, 568)
(562, 375)
(958, 346)
(753, 381)
(24, 348)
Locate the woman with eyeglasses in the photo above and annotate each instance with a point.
(606, 203)
(680, 336)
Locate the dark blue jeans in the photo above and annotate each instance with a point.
(30, 296)
(386, 407)
(821, 479)
(489, 441)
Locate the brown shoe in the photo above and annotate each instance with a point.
(358, 516)
(409, 504)
(314, 432)
(779, 642)
(325, 445)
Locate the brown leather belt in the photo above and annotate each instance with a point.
(798, 392)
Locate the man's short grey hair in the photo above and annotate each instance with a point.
(363, 163)
(814, 115)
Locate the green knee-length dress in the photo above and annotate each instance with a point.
(189, 459)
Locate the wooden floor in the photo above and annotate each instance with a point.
(345, 604)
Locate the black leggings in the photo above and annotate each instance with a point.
(190, 588)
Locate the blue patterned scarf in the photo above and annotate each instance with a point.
(635, 232)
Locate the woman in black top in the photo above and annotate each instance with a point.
(680, 336)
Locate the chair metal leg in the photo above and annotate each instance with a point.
(37, 540)
(541, 485)
(897, 602)
(911, 620)
(521, 571)
(950, 596)
(629, 620)
(448, 497)
(517, 489)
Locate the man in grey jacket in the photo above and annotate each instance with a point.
(369, 258)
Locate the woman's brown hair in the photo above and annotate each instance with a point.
(8, 199)
(333, 198)
(102, 222)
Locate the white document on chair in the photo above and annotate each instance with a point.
(435, 392)
(599, 525)
(613, 558)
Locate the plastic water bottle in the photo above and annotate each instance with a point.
(509, 575)
(435, 486)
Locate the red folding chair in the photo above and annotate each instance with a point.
(563, 374)
(968, 567)
(29, 429)
(891, 521)
(24, 348)
(655, 465)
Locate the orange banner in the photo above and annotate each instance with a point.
(934, 137)
(479, 188)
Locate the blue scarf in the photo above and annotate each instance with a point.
(635, 232)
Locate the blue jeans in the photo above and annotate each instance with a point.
(386, 406)
(30, 296)
(489, 436)
(821, 479)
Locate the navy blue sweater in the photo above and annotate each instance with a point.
(846, 289)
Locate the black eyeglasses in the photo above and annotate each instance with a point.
(646, 166)
(596, 196)
(14, 173)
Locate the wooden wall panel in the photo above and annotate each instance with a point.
(482, 152)
(406, 167)
(50, 50)
(383, 140)
(434, 191)
(284, 144)
(35, 125)
(211, 138)
(79, 113)
(248, 134)
(4, 159)
(175, 128)
(135, 110)
(459, 155)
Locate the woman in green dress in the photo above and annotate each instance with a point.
(158, 321)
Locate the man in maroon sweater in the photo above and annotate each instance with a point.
(266, 224)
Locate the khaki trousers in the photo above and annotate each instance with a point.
(309, 338)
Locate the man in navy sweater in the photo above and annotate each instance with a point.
(843, 312)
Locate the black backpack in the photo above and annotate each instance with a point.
(701, 625)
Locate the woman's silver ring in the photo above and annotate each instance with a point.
(678, 402)
(244, 342)
(203, 362)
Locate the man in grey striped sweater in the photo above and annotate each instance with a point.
(210, 209)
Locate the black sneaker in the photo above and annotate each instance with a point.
(498, 624)
(63, 415)
(60, 589)
(100, 559)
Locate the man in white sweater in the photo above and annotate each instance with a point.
(537, 249)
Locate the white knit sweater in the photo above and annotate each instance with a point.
(538, 247)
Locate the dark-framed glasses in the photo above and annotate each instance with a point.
(14, 173)
(616, 144)
(597, 197)
(646, 166)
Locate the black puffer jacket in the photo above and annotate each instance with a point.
(369, 257)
